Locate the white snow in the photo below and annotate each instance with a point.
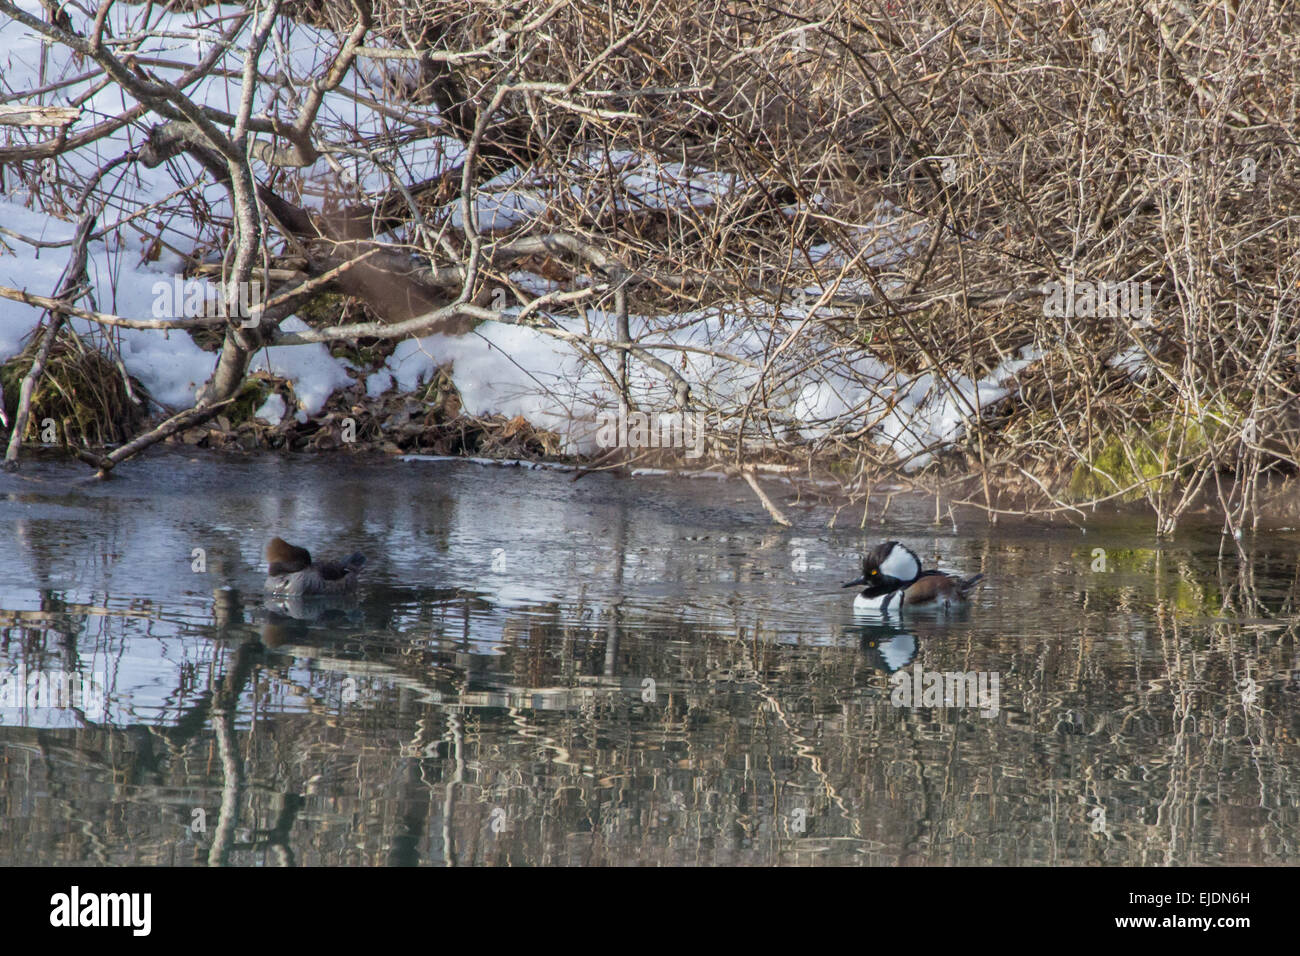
(272, 411)
(499, 369)
(315, 373)
(502, 203)
(168, 364)
(1133, 361)
(510, 199)
(516, 370)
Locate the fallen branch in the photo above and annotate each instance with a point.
(177, 423)
(771, 507)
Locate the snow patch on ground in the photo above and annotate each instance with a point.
(499, 369)
(516, 370)
(272, 411)
(315, 374)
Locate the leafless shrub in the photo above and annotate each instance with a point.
(838, 200)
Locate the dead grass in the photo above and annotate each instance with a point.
(82, 394)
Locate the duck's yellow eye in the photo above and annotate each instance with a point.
(875, 572)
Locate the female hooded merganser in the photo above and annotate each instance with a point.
(893, 578)
(292, 572)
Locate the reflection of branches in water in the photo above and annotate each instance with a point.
(1145, 717)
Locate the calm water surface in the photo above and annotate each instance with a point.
(621, 671)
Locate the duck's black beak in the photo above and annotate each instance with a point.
(853, 584)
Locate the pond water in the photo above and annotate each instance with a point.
(610, 671)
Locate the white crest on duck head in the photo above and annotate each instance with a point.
(893, 560)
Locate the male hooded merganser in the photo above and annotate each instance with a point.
(893, 578)
(292, 572)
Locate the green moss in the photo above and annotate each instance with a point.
(1141, 458)
(1112, 469)
(842, 468)
(324, 309)
(369, 356)
(251, 395)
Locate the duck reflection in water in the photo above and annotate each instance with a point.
(294, 619)
(887, 648)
